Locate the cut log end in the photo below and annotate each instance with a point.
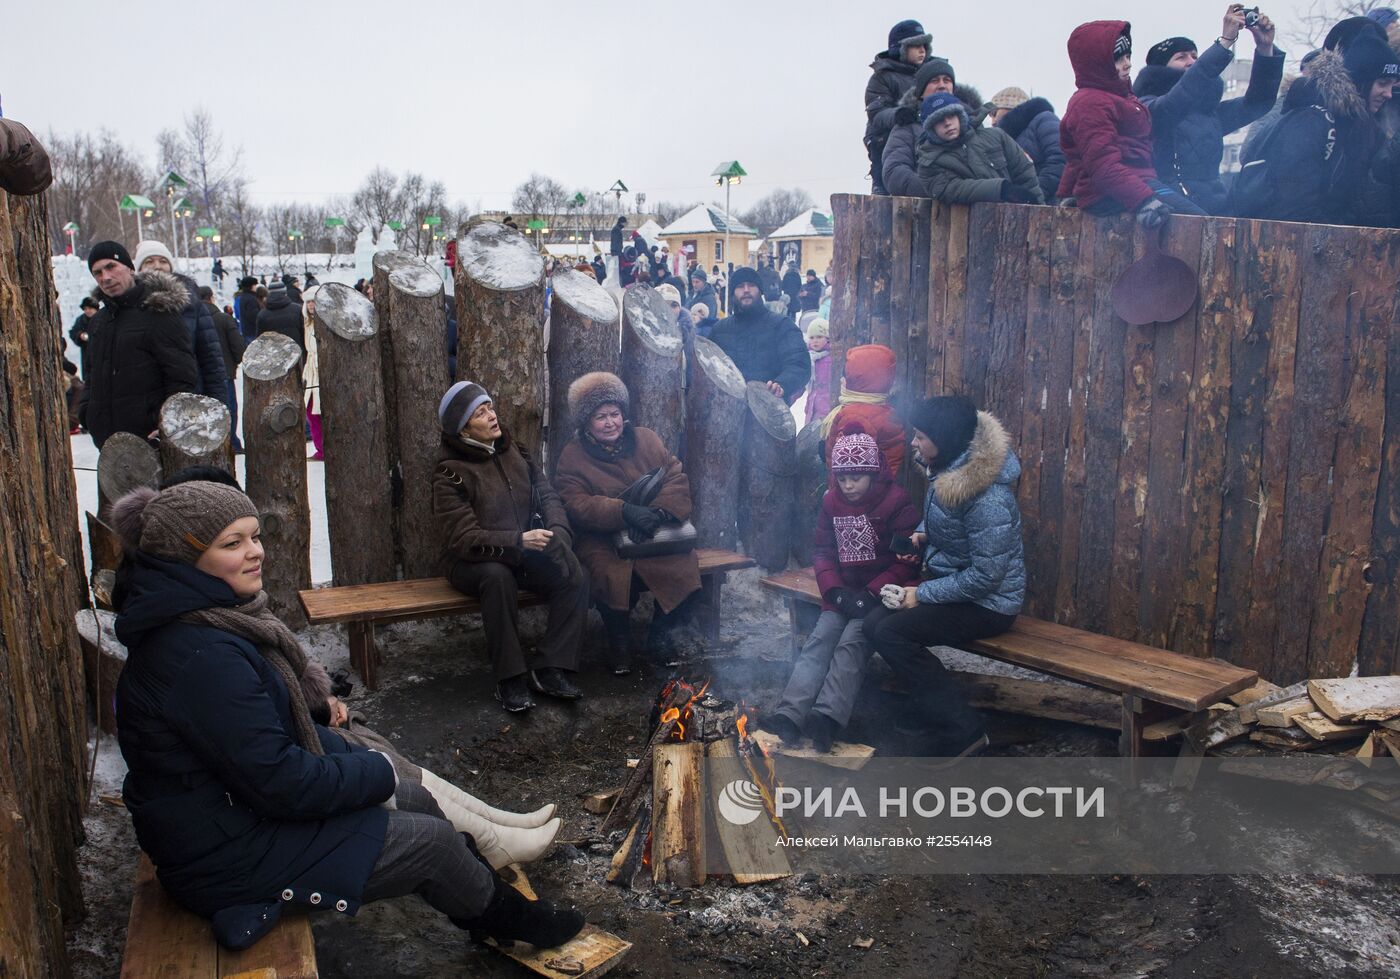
(126, 462)
(345, 312)
(583, 295)
(771, 412)
(649, 319)
(721, 371)
(409, 274)
(270, 356)
(499, 258)
(195, 424)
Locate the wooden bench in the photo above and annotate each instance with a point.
(163, 939)
(362, 607)
(1153, 682)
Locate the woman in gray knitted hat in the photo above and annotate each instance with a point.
(242, 802)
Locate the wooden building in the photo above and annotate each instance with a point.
(700, 233)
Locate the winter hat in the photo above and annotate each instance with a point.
(855, 454)
(870, 369)
(1367, 60)
(1347, 30)
(593, 390)
(1385, 16)
(905, 34)
(114, 250)
(150, 249)
(700, 312)
(1163, 51)
(1010, 97)
(934, 67)
(818, 328)
(179, 523)
(458, 405)
(940, 105)
(949, 421)
(89, 303)
(669, 293)
(742, 275)
(247, 282)
(1122, 46)
(698, 274)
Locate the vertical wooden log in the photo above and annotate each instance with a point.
(500, 324)
(274, 441)
(583, 337)
(716, 408)
(678, 801)
(381, 265)
(652, 364)
(126, 462)
(768, 480)
(43, 724)
(194, 431)
(811, 487)
(358, 509)
(419, 328)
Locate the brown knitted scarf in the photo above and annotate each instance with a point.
(255, 622)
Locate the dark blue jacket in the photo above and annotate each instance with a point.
(230, 808)
(204, 335)
(245, 309)
(1036, 129)
(1189, 120)
(766, 347)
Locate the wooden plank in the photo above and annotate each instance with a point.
(1320, 728)
(289, 951)
(1041, 698)
(1260, 690)
(1284, 714)
(984, 245)
(1003, 386)
(750, 850)
(601, 803)
(1214, 670)
(163, 940)
(879, 218)
(592, 952)
(901, 231)
(917, 342)
(1250, 711)
(940, 220)
(956, 308)
(1342, 586)
(1192, 622)
(845, 260)
(1327, 264)
(678, 805)
(843, 754)
(1356, 699)
(1080, 277)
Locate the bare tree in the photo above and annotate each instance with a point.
(91, 176)
(376, 202)
(241, 222)
(1310, 28)
(668, 211)
(541, 198)
(776, 209)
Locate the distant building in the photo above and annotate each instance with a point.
(806, 240)
(700, 232)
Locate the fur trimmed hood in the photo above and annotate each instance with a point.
(1016, 121)
(165, 293)
(1328, 84)
(988, 460)
(593, 390)
(977, 110)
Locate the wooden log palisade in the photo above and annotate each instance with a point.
(358, 508)
(653, 365)
(583, 337)
(500, 323)
(716, 407)
(1175, 485)
(194, 431)
(769, 478)
(273, 438)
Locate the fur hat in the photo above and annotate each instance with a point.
(1010, 97)
(593, 390)
(179, 523)
(152, 249)
(818, 328)
(854, 454)
(939, 106)
(114, 250)
(907, 34)
(459, 404)
(1163, 51)
(700, 311)
(668, 292)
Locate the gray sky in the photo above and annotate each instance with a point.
(478, 95)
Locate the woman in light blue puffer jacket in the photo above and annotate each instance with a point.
(969, 545)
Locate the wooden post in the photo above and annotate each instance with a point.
(583, 337)
(678, 803)
(811, 487)
(715, 410)
(43, 724)
(419, 342)
(652, 365)
(500, 325)
(125, 462)
(273, 437)
(382, 264)
(768, 480)
(358, 510)
(194, 431)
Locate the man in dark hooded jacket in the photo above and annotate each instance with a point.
(764, 345)
(282, 316)
(246, 307)
(892, 73)
(1189, 120)
(901, 164)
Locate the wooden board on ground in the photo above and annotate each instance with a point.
(600, 803)
(592, 952)
(1357, 698)
(1322, 728)
(749, 850)
(1249, 713)
(1260, 690)
(841, 755)
(1391, 741)
(1283, 715)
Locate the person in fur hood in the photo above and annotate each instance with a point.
(901, 165)
(969, 550)
(891, 74)
(1316, 163)
(606, 456)
(1190, 118)
(1032, 123)
(961, 165)
(139, 350)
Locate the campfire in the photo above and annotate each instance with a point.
(668, 804)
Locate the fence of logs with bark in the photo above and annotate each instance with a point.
(1227, 484)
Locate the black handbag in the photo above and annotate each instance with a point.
(671, 538)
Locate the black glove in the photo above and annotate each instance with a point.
(1014, 193)
(1153, 214)
(856, 604)
(641, 521)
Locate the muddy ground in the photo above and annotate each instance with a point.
(435, 701)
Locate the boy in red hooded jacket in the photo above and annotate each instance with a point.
(862, 512)
(864, 404)
(1106, 133)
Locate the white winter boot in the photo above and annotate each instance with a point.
(499, 845)
(441, 789)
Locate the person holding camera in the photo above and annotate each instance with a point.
(1189, 119)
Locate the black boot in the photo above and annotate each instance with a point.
(782, 726)
(554, 682)
(617, 628)
(822, 730)
(514, 695)
(511, 917)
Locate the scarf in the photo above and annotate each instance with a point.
(849, 397)
(254, 621)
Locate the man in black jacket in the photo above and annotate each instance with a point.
(246, 307)
(81, 327)
(282, 315)
(139, 350)
(232, 345)
(764, 345)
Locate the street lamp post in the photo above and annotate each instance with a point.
(294, 236)
(143, 206)
(430, 225)
(727, 174)
(71, 230)
(618, 188)
(334, 224)
(183, 210)
(174, 184)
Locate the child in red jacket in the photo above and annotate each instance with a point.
(861, 514)
(1106, 133)
(864, 404)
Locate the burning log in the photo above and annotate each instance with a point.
(749, 848)
(677, 698)
(678, 814)
(628, 863)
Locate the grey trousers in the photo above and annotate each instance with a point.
(828, 672)
(424, 855)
